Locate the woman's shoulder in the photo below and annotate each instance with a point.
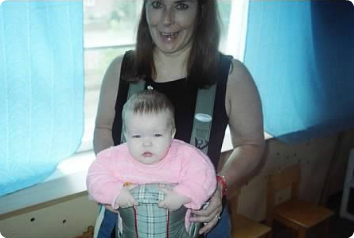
(239, 71)
(112, 73)
(240, 87)
(111, 78)
(239, 78)
(235, 69)
(118, 61)
(115, 65)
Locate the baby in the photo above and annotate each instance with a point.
(151, 155)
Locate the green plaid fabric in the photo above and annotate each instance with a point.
(152, 220)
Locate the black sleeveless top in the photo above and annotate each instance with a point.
(184, 101)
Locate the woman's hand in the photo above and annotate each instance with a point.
(211, 214)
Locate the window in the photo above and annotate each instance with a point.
(110, 28)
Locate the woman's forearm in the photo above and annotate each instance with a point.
(241, 165)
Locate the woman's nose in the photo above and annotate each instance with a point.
(168, 16)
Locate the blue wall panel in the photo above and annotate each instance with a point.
(301, 55)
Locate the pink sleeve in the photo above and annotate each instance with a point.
(197, 178)
(103, 185)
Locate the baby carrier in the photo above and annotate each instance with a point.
(147, 219)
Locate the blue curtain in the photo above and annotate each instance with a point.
(41, 89)
(301, 55)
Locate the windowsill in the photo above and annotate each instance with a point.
(67, 180)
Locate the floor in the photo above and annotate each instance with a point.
(339, 227)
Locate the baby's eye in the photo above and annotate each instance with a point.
(158, 135)
(156, 4)
(182, 6)
(136, 136)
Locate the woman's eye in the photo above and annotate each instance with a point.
(156, 4)
(158, 135)
(136, 136)
(182, 6)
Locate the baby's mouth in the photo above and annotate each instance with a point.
(147, 154)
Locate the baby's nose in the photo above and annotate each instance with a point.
(147, 142)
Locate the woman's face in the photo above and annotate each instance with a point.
(171, 23)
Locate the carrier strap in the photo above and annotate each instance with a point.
(135, 223)
(168, 224)
(202, 117)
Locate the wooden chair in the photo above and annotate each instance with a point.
(293, 213)
(243, 227)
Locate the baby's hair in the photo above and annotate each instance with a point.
(149, 101)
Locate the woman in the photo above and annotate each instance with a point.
(177, 53)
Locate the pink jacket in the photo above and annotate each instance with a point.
(184, 165)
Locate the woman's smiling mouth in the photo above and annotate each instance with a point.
(169, 35)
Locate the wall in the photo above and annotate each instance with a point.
(61, 219)
(323, 164)
(71, 217)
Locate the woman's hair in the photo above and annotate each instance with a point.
(203, 60)
(147, 102)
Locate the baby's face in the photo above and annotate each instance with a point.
(148, 136)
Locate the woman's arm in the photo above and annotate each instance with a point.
(106, 107)
(244, 110)
(243, 107)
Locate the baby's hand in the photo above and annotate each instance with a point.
(125, 198)
(172, 200)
